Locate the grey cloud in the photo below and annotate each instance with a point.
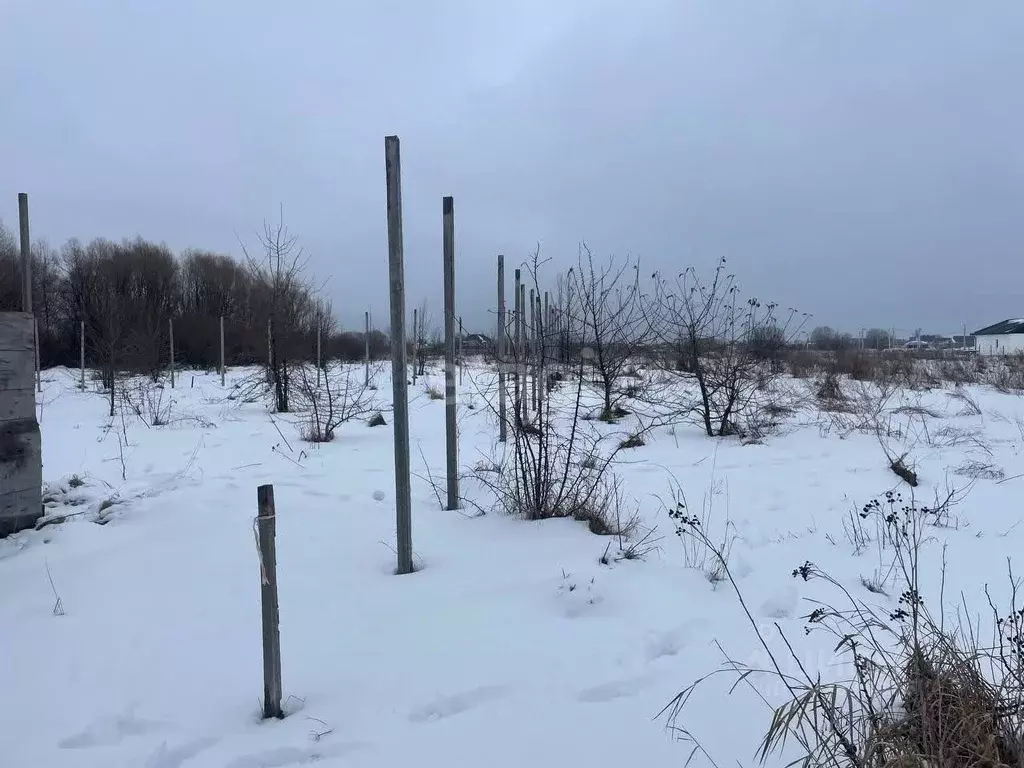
(859, 160)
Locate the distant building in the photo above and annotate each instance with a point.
(1005, 338)
(477, 344)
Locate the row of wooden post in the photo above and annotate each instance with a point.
(530, 336)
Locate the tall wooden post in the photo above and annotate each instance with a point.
(319, 359)
(366, 342)
(266, 527)
(222, 367)
(400, 392)
(35, 342)
(532, 344)
(270, 349)
(542, 346)
(500, 347)
(517, 353)
(450, 392)
(415, 346)
(26, 254)
(524, 343)
(81, 351)
(170, 337)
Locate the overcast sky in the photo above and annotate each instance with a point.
(862, 160)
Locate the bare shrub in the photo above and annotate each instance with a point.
(829, 389)
(633, 441)
(555, 464)
(979, 470)
(716, 345)
(342, 396)
(148, 402)
(608, 312)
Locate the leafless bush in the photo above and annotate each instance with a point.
(555, 465)
(979, 470)
(341, 396)
(717, 346)
(149, 402)
(607, 311)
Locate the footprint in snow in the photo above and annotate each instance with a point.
(285, 756)
(782, 605)
(617, 689)
(173, 758)
(672, 642)
(108, 732)
(449, 706)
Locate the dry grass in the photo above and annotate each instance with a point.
(920, 694)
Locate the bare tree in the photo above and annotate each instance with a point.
(609, 309)
(278, 269)
(713, 338)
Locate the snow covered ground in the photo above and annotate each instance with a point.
(513, 645)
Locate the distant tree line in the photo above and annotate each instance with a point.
(126, 292)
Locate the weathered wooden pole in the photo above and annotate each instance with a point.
(532, 344)
(415, 347)
(170, 337)
(500, 351)
(81, 351)
(400, 392)
(266, 526)
(270, 349)
(366, 341)
(542, 339)
(450, 391)
(26, 254)
(517, 357)
(35, 339)
(222, 367)
(319, 359)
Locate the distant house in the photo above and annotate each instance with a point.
(477, 344)
(1005, 338)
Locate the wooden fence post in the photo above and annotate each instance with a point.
(319, 358)
(458, 352)
(35, 342)
(366, 340)
(532, 345)
(517, 356)
(81, 351)
(266, 525)
(270, 349)
(170, 334)
(26, 254)
(450, 396)
(222, 350)
(500, 348)
(399, 385)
